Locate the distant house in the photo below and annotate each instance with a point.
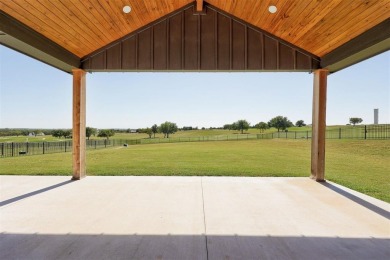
(40, 134)
(31, 134)
(133, 131)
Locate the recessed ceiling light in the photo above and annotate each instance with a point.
(126, 9)
(272, 9)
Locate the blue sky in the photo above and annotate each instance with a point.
(35, 95)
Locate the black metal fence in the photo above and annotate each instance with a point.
(353, 132)
(34, 148)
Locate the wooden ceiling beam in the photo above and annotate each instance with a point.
(370, 43)
(63, 59)
(199, 5)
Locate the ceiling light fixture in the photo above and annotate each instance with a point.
(272, 9)
(126, 9)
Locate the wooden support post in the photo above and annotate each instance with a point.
(79, 99)
(318, 125)
(199, 5)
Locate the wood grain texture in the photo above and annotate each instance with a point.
(85, 26)
(186, 41)
(319, 125)
(199, 5)
(79, 121)
(82, 27)
(315, 26)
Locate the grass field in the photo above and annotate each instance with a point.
(190, 133)
(362, 165)
(132, 136)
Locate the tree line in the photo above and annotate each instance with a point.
(281, 123)
(278, 122)
(165, 128)
(24, 132)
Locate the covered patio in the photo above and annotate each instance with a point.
(189, 218)
(193, 217)
(165, 36)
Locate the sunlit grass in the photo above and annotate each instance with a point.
(362, 165)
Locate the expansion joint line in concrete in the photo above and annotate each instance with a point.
(204, 219)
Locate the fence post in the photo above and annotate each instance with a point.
(2, 149)
(105, 143)
(307, 135)
(26, 147)
(286, 134)
(340, 133)
(365, 131)
(43, 146)
(65, 146)
(12, 149)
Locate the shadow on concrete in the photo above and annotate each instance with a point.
(30, 194)
(73, 246)
(360, 201)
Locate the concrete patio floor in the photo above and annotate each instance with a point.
(188, 218)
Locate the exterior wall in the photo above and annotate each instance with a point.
(189, 41)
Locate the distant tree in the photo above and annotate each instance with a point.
(300, 123)
(37, 131)
(17, 132)
(67, 133)
(25, 132)
(241, 125)
(46, 131)
(168, 128)
(89, 131)
(107, 133)
(154, 130)
(57, 133)
(262, 126)
(227, 126)
(355, 120)
(149, 132)
(280, 123)
(234, 126)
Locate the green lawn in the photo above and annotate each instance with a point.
(190, 133)
(362, 165)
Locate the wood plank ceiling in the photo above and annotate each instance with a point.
(83, 27)
(316, 26)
